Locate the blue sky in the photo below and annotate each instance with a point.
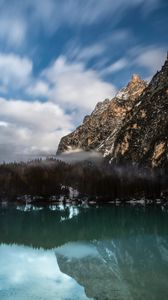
(59, 58)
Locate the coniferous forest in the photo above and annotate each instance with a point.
(44, 179)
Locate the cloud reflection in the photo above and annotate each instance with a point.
(26, 273)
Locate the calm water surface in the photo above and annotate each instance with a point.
(74, 252)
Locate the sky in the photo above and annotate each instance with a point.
(59, 58)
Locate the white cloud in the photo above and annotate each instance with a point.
(31, 127)
(15, 71)
(152, 58)
(91, 52)
(3, 124)
(84, 53)
(76, 86)
(115, 67)
(44, 115)
(38, 89)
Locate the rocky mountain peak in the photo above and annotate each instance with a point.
(143, 139)
(133, 89)
(107, 117)
(136, 78)
(131, 127)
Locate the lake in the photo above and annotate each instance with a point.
(68, 252)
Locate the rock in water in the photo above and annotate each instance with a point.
(132, 127)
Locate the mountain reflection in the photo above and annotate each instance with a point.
(69, 252)
(128, 269)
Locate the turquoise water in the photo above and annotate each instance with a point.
(80, 252)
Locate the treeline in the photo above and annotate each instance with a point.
(103, 181)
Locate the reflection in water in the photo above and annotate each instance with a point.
(85, 253)
(26, 273)
(136, 268)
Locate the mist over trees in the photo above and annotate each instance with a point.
(101, 181)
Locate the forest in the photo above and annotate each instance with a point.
(96, 181)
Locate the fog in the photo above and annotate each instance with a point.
(13, 154)
(79, 155)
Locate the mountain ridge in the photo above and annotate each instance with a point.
(131, 127)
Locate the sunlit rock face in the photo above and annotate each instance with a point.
(132, 127)
(99, 129)
(144, 136)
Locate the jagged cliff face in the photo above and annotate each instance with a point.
(106, 119)
(132, 127)
(143, 138)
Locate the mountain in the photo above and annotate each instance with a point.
(144, 136)
(132, 127)
(114, 262)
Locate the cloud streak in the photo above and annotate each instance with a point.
(15, 71)
(18, 19)
(115, 66)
